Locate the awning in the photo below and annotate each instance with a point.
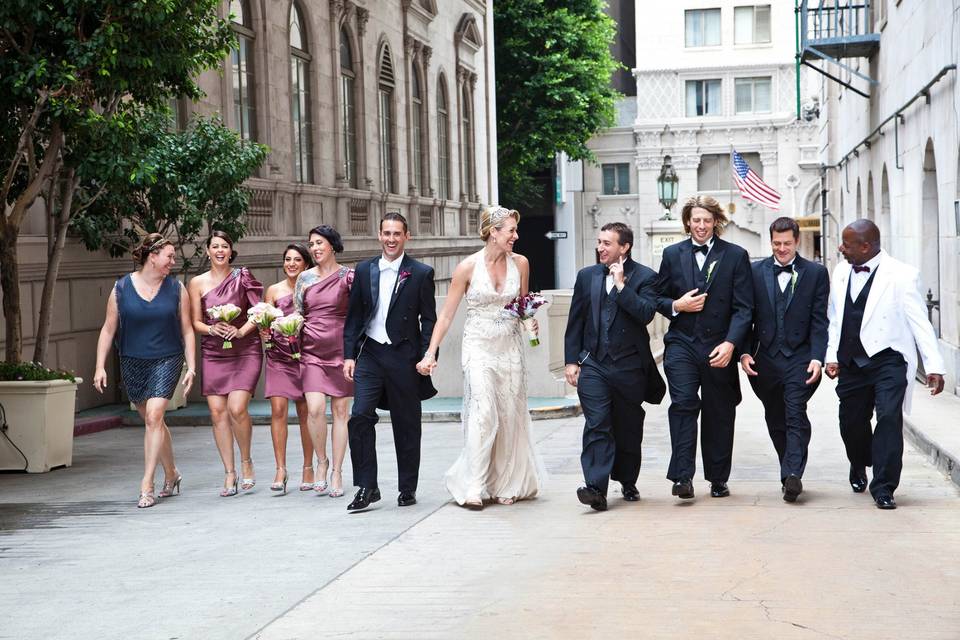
(809, 223)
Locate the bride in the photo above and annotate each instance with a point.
(498, 460)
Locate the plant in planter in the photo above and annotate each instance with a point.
(36, 420)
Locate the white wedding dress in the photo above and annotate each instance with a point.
(498, 458)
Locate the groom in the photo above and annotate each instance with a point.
(608, 358)
(389, 323)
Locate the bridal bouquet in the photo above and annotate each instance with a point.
(263, 314)
(224, 313)
(290, 327)
(524, 308)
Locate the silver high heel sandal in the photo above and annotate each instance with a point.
(231, 490)
(248, 483)
(280, 486)
(147, 499)
(170, 487)
(320, 486)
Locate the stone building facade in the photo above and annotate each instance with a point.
(895, 157)
(368, 107)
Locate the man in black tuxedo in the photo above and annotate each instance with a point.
(704, 289)
(787, 345)
(608, 358)
(389, 323)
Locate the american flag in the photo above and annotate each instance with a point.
(751, 186)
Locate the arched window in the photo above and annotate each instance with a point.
(417, 130)
(300, 97)
(386, 85)
(469, 161)
(443, 139)
(244, 112)
(348, 78)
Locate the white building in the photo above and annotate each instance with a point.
(894, 157)
(711, 76)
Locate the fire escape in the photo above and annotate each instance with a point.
(830, 31)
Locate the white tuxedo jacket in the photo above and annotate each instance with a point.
(894, 317)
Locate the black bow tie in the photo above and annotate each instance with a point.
(702, 248)
(777, 269)
(861, 269)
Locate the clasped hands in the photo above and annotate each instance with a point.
(224, 330)
(426, 366)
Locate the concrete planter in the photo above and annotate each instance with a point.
(40, 416)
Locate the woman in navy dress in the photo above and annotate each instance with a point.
(149, 315)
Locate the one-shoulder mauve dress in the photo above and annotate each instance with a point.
(237, 369)
(324, 303)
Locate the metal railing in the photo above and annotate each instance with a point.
(835, 19)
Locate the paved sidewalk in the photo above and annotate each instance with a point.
(79, 561)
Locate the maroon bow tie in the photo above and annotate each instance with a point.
(859, 269)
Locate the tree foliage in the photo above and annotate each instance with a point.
(178, 183)
(73, 72)
(553, 67)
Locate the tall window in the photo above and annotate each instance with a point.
(417, 121)
(443, 139)
(702, 27)
(300, 97)
(385, 116)
(244, 113)
(703, 98)
(348, 110)
(753, 95)
(616, 178)
(469, 161)
(751, 25)
(713, 174)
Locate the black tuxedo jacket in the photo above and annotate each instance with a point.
(410, 318)
(728, 310)
(635, 308)
(805, 321)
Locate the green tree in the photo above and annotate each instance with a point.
(72, 74)
(178, 183)
(553, 67)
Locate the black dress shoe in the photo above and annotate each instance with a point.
(630, 493)
(363, 499)
(792, 487)
(885, 502)
(592, 497)
(683, 489)
(719, 489)
(858, 479)
(407, 498)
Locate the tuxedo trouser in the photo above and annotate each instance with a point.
(880, 386)
(390, 370)
(781, 385)
(687, 365)
(611, 398)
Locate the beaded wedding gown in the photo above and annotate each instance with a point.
(498, 459)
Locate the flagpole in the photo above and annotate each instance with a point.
(730, 178)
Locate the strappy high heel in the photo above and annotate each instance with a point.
(248, 483)
(147, 499)
(170, 487)
(280, 486)
(230, 490)
(306, 486)
(320, 486)
(336, 492)
(506, 500)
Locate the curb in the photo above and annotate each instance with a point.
(86, 426)
(939, 457)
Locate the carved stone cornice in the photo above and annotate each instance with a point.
(426, 52)
(362, 16)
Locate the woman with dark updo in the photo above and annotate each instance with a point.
(149, 316)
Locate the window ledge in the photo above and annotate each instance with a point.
(615, 196)
(754, 45)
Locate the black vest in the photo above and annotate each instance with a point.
(687, 322)
(780, 309)
(850, 350)
(608, 308)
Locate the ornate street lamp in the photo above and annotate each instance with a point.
(668, 186)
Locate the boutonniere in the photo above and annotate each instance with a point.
(793, 282)
(710, 269)
(400, 280)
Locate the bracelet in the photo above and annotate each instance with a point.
(428, 356)
(191, 372)
(209, 329)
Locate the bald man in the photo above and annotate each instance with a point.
(878, 322)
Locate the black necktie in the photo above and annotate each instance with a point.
(859, 269)
(777, 269)
(702, 248)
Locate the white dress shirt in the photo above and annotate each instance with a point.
(389, 272)
(783, 279)
(859, 280)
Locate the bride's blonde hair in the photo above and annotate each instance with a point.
(493, 217)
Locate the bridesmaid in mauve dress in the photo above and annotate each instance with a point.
(322, 296)
(283, 373)
(228, 376)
